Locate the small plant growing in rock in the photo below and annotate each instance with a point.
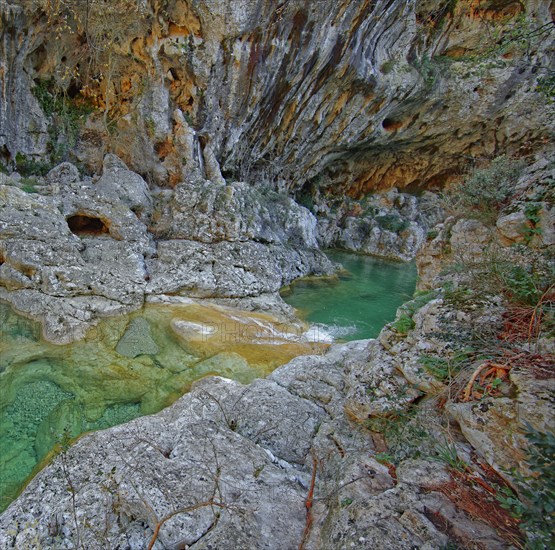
(532, 213)
(384, 458)
(29, 185)
(535, 505)
(403, 325)
(28, 166)
(444, 369)
(485, 191)
(448, 454)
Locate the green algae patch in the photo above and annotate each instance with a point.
(124, 368)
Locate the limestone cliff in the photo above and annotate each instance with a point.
(346, 96)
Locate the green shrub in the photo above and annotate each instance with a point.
(448, 455)
(445, 369)
(27, 166)
(392, 222)
(406, 432)
(384, 458)
(485, 191)
(535, 507)
(532, 213)
(546, 87)
(403, 325)
(521, 285)
(67, 117)
(387, 67)
(419, 300)
(29, 185)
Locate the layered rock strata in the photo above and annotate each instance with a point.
(347, 96)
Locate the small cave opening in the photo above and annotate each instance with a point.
(84, 225)
(390, 124)
(74, 89)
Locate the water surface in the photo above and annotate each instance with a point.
(359, 301)
(126, 367)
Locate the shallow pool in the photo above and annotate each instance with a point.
(126, 367)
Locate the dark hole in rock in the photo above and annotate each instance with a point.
(37, 58)
(73, 90)
(86, 225)
(390, 124)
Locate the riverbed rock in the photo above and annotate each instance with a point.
(137, 340)
(230, 466)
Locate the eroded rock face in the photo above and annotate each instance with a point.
(80, 249)
(347, 96)
(527, 221)
(473, 266)
(389, 225)
(209, 212)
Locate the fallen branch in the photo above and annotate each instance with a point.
(492, 367)
(308, 503)
(186, 510)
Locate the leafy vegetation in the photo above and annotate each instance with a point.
(405, 432)
(534, 505)
(29, 185)
(532, 213)
(486, 190)
(546, 87)
(68, 116)
(403, 325)
(445, 368)
(27, 166)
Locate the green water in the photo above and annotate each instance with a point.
(359, 302)
(138, 364)
(126, 367)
